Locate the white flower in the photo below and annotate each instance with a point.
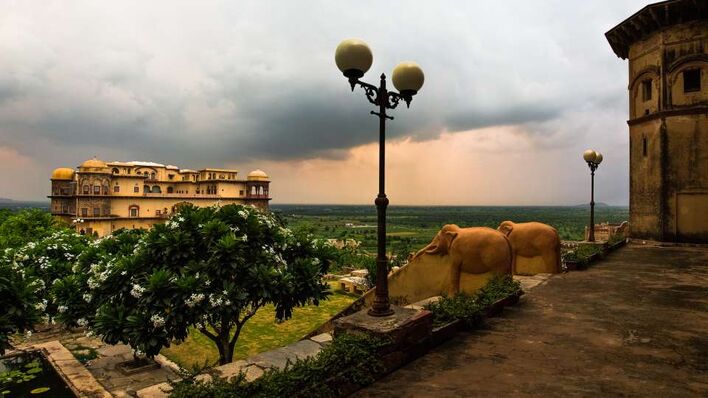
(87, 297)
(315, 261)
(41, 306)
(244, 238)
(243, 214)
(194, 299)
(82, 322)
(157, 321)
(28, 334)
(180, 219)
(137, 290)
(62, 309)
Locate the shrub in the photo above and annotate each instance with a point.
(469, 309)
(349, 359)
(18, 300)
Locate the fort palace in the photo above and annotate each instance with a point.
(101, 197)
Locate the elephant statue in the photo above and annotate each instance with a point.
(457, 260)
(536, 247)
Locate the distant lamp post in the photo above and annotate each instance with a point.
(593, 159)
(354, 58)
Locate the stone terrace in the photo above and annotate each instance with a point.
(632, 325)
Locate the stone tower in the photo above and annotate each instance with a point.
(666, 44)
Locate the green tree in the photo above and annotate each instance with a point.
(27, 226)
(18, 302)
(208, 269)
(47, 261)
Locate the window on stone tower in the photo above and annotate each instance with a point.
(646, 90)
(644, 146)
(691, 80)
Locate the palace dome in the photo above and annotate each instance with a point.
(63, 173)
(93, 164)
(257, 175)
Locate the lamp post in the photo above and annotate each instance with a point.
(354, 58)
(593, 158)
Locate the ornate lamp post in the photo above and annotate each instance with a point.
(354, 58)
(593, 158)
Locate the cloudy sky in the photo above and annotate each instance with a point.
(514, 92)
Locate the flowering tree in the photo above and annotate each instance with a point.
(206, 268)
(18, 312)
(45, 261)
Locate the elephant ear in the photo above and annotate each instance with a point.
(506, 227)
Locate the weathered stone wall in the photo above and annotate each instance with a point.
(668, 135)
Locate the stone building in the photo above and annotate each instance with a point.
(99, 197)
(666, 44)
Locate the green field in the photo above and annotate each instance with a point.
(414, 226)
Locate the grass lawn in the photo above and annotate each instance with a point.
(261, 333)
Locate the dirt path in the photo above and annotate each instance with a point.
(634, 325)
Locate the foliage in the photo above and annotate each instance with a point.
(349, 359)
(206, 268)
(463, 307)
(497, 288)
(581, 253)
(47, 260)
(20, 228)
(18, 300)
(468, 308)
(19, 374)
(81, 292)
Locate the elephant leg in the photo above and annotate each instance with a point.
(454, 287)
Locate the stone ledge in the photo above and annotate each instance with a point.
(79, 379)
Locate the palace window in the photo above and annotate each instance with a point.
(115, 170)
(156, 189)
(170, 190)
(691, 80)
(152, 176)
(86, 189)
(96, 211)
(105, 189)
(136, 189)
(116, 188)
(646, 90)
(65, 209)
(84, 211)
(134, 211)
(170, 176)
(96, 189)
(158, 212)
(240, 193)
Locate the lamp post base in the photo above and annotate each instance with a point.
(402, 326)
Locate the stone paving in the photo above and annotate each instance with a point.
(256, 365)
(632, 325)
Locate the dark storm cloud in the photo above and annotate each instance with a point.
(206, 83)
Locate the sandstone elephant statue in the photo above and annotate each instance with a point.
(536, 247)
(457, 260)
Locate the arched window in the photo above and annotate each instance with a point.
(115, 170)
(152, 175)
(156, 189)
(85, 189)
(170, 190)
(134, 211)
(146, 188)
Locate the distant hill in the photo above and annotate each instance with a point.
(6, 200)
